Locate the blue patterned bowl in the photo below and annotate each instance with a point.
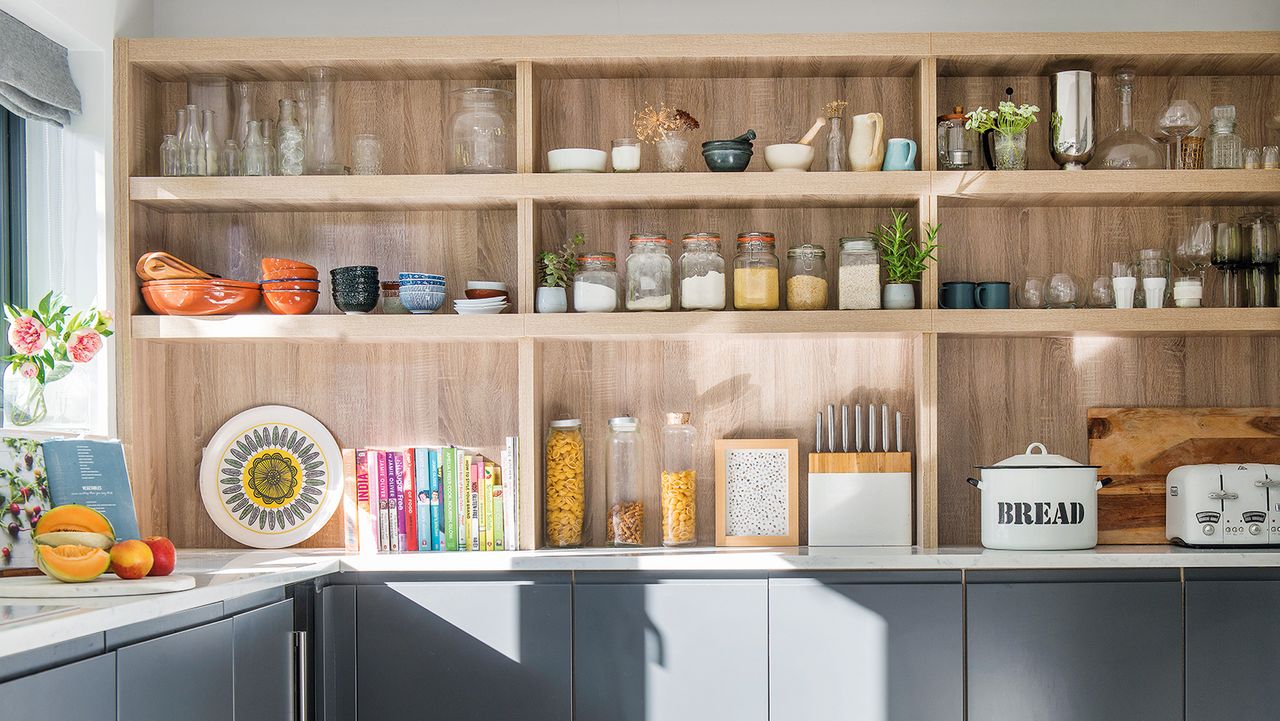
(421, 298)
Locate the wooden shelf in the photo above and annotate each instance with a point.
(318, 192)
(327, 328)
(1108, 322)
(1106, 187)
(691, 324)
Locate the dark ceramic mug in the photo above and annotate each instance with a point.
(991, 294)
(956, 294)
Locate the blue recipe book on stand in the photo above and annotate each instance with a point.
(93, 474)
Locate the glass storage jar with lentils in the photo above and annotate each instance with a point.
(755, 272)
(807, 277)
(595, 285)
(701, 272)
(564, 492)
(649, 272)
(859, 275)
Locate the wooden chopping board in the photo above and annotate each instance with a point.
(1137, 447)
(45, 587)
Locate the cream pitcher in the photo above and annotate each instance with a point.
(866, 142)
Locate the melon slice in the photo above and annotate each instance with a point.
(76, 538)
(72, 564)
(72, 517)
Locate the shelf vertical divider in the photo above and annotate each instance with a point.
(530, 405)
(528, 116)
(526, 253)
(926, 215)
(926, 79)
(926, 491)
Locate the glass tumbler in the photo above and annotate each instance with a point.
(1124, 283)
(1101, 294)
(1062, 291)
(1154, 269)
(1031, 293)
(366, 154)
(1271, 157)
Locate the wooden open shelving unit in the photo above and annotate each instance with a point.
(975, 386)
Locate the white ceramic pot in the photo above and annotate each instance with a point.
(1039, 501)
(576, 160)
(898, 296)
(788, 157)
(551, 300)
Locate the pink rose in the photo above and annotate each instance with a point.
(84, 344)
(28, 370)
(26, 335)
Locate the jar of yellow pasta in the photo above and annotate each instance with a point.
(679, 482)
(564, 485)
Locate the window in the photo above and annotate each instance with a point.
(13, 210)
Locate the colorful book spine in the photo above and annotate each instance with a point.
(449, 473)
(395, 502)
(497, 526)
(385, 532)
(410, 503)
(368, 529)
(423, 472)
(476, 502)
(486, 505)
(465, 499)
(431, 532)
(508, 497)
(350, 516)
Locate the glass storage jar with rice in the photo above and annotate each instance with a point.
(807, 277)
(595, 285)
(564, 487)
(649, 272)
(859, 275)
(755, 272)
(701, 272)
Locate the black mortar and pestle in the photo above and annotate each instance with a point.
(729, 156)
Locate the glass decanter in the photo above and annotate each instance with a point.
(1126, 148)
(1226, 149)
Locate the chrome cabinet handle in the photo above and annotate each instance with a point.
(300, 685)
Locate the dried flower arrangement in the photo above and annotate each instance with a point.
(835, 108)
(653, 125)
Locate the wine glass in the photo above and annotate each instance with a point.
(1178, 121)
(1194, 251)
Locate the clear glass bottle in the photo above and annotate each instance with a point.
(624, 524)
(595, 285)
(255, 151)
(702, 279)
(290, 139)
(859, 274)
(320, 153)
(957, 146)
(191, 142)
(679, 493)
(649, 272)
(170, 157)
(232, 160)
(481, 136)
(1225, 148)
(267, 127)
(209, 144)
(807, 277)
(564, 484)
(1126, 148)
(243, 96)
(755, 272)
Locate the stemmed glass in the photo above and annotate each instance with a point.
(1194, 251)
(1178, 121)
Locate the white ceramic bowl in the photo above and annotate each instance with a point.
(788, 157)
(486, 285)
(576, 160)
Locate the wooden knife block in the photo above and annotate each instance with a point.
(860, 462)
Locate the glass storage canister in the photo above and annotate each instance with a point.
(649, 272)
(624, 525)
(701, 272)
(564, 492)
(481, 132)
(755, 272)
(807, 277)
(957, 146)
(595, 285)
(679, 482)
(859, 274)
(1225, 147)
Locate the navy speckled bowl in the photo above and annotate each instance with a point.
(356, 301)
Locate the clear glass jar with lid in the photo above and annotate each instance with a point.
(679, 481)
(755, 272)
(859, 274)
(481, 132)
(595, 285)
(624, 525)
(957, 146)
(807, 277)
(701, 272)
(564, 487)
(649, 272)
(1225, 148)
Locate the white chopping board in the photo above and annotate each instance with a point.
(45, 587)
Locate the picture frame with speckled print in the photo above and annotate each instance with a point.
(757, 492)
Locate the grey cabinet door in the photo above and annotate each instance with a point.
(463, 650)
(183, 675)
(688, 649)
(84, 691)
(1232, 634)
(263, 657)
(1067, 650)
(866, 651)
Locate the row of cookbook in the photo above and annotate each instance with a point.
(431, 499)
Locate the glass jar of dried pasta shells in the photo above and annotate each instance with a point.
(564, 485)
(679, 487)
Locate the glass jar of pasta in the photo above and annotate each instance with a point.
(564, 484)
(755, 272)
(679, 487)
(624, 525)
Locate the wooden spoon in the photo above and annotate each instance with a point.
(808, 137)
(163, 266)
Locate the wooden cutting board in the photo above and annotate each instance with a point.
(1137, 447)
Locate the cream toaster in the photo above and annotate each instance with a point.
(1211, 505)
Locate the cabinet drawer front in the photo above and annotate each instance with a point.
(84, 691)
(263, 657)
(186, 673)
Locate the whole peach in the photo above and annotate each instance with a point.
(131, 559)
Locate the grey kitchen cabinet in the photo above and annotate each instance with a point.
(670, 649)
(262, 652)
(1066, 646)
(879, 646)
(84, 691)
(1232, 635)
(185, 675)
(464, 650)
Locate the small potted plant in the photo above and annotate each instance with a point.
(1009, 123)
(666, 128)
(556, 269)
(904, 259)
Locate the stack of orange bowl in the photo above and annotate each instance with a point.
(290, 287)
(171, 286)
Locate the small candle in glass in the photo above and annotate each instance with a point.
(626, 155)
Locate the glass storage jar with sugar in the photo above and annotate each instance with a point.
(624, 524)
(649, 272)
(595, 285)
(755, 272)
(679, 493)
(859, 274)
(701, 272)
(564, 487)
(807, 277)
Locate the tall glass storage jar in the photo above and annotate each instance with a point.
(595, 285)
(859, 274)
(679, 482)
(481, 132)
(755, 272)
(649, 272)
(701, 272)
(624, 525)
(564, 489)
(807, 277)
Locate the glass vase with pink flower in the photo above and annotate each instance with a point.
(45, 344)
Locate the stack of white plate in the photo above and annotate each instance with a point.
(482, 306)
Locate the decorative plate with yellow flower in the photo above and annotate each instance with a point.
(271, 477)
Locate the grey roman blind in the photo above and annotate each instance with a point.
(35, 79)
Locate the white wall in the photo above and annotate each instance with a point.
(204, 18)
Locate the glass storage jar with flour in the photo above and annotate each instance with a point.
(701, 272)
(649, 272)
(595, 285)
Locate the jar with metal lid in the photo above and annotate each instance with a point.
(807, 277)
(679, 491)
(624, 525)
(859, 274)
(755, 272)
(595, 285)
(701, 272)
(564, 487)
(957, 146)
(649, 272)
(391, 303)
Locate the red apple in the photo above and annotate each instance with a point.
(164, 553)
(131, 559)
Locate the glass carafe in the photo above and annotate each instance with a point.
(1126, 148)
(624, 524)
(320, 154)
(289, 139)
(679, 482)
(481, 137)
(255, 151)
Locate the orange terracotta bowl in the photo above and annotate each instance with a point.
(209, 297)
(291, 302)
(479, 293)
(273, 265)
(291, 285)
(291, 273)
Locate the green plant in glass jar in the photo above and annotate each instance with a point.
(905, 260)
(555, 271)
(1010, 123)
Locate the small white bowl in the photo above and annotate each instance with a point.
(788, 157)
(486, 285)
(576, 160)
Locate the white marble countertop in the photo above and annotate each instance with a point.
(223, 575)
